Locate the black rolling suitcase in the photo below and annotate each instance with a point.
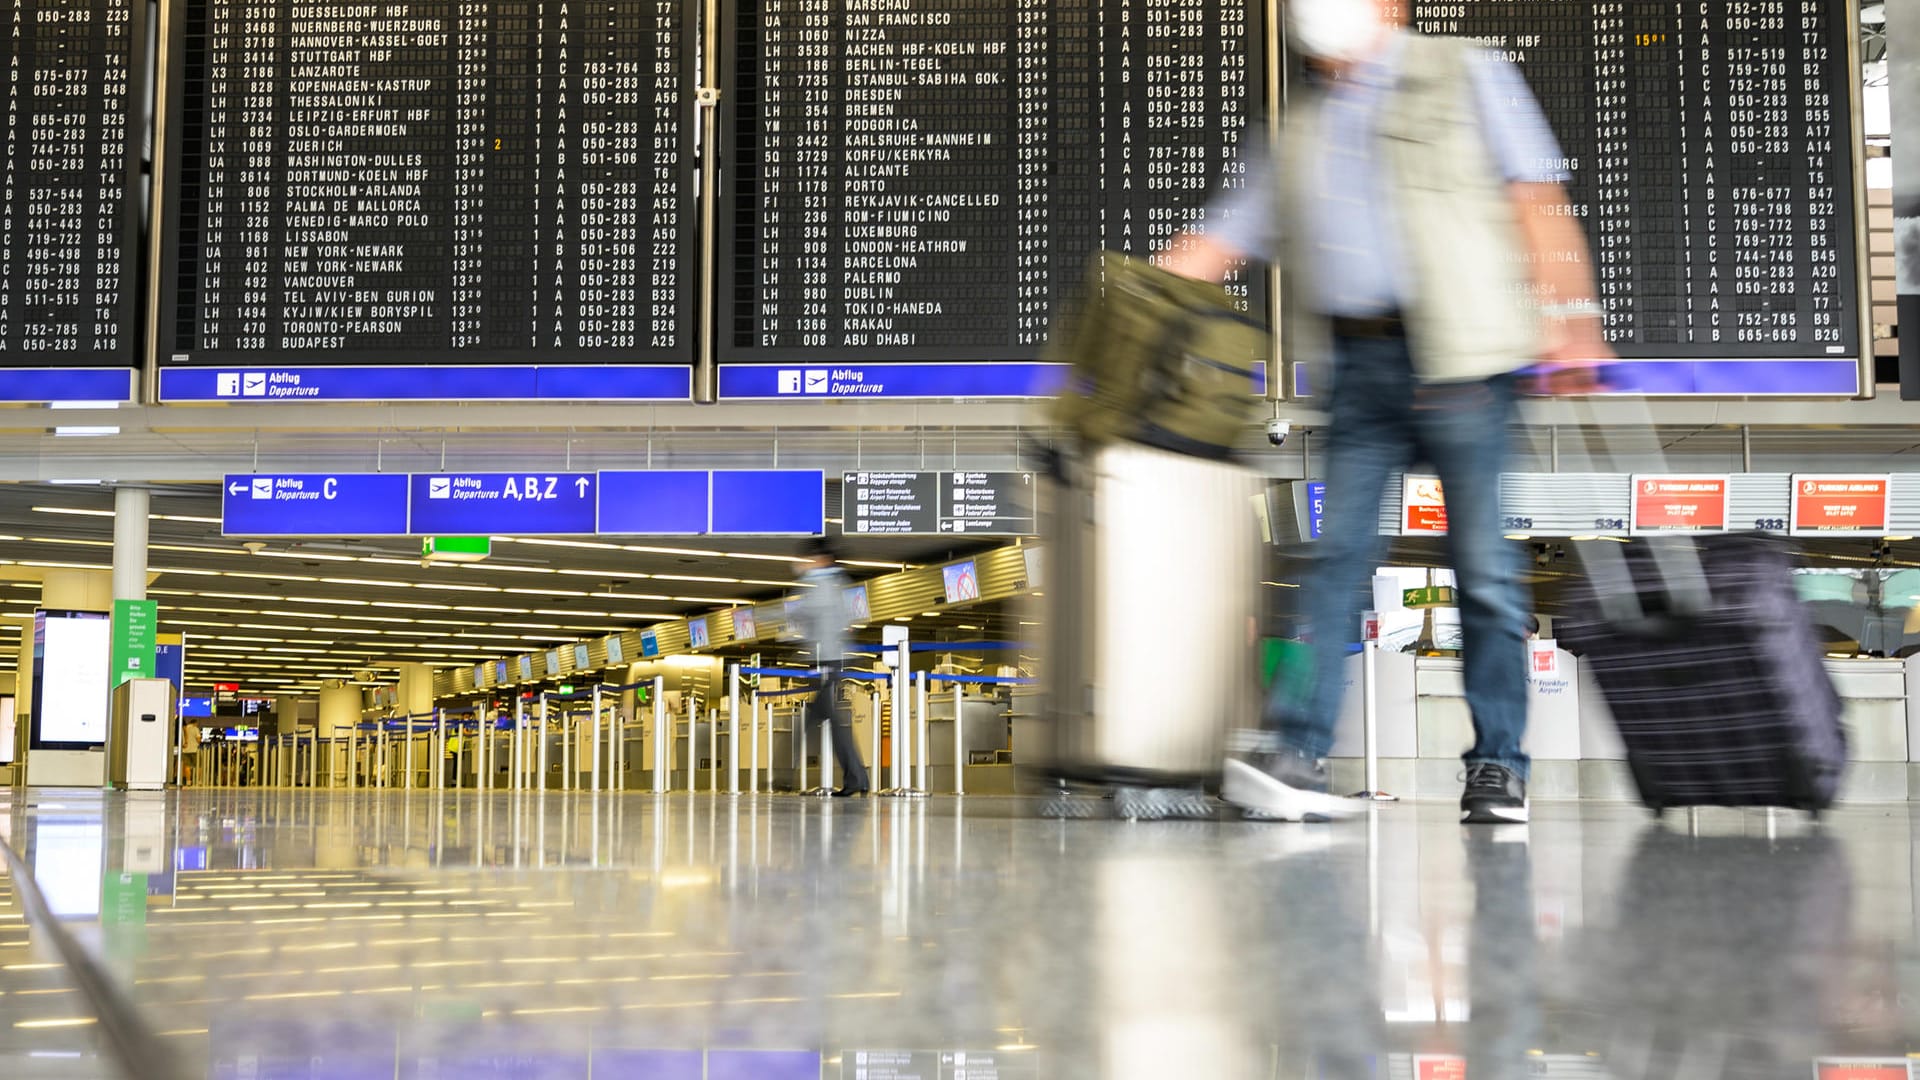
(1709, 663)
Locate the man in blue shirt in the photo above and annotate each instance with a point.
(1427, 255)
(822, 618)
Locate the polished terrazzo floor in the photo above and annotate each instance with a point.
(293, 934)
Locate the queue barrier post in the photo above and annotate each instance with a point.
(733, 729)
(662, 735)
(594, 765)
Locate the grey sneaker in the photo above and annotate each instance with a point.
(1282, 786)
(1495, 795)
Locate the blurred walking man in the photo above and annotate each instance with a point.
(1415, 211)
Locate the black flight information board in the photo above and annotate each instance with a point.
(932, 503)
(69, 204)
(925, 179)
(423, 182)
(1712, 154)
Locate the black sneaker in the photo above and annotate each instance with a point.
(1495, 795)
(1282, 786)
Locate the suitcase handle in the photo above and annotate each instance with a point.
(1683, 592)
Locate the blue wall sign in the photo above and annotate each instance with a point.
(504, 504)
(30, 385)
(314, 504)
(769, 502)
(505, 382)
(803, 382)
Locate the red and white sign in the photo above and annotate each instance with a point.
(1841, 505)
(1862, 1069)
(1679, 504)
(1544, 657)
(1439, 1068)
(1423, 507)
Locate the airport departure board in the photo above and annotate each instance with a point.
(926, 179)
(422, 182)
(1712, 154)
(69, 208)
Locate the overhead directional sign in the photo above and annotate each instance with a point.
(314, 504)
(930, 503)
(663, 502)
(514, 504)
(722, 502)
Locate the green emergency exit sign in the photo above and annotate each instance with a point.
(456, 548)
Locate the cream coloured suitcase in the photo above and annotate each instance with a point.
(1155, 577)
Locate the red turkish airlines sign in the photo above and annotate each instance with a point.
(1423, 507)
(1679, 504)
(1844, 505)
(1890, 1069)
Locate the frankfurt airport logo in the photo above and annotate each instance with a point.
(240, 384)
(805, 381)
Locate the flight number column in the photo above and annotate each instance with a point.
(260, 153)
(815, 50)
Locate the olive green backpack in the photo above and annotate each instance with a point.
(1157, 358)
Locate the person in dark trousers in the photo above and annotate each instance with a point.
(822, 619)
(1416, 212)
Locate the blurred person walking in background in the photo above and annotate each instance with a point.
(823, 624)
(1415, 210)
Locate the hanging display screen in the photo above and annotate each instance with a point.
(420, 184)
(1712, 154)
(926, 180)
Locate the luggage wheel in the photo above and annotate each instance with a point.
(1161, 804)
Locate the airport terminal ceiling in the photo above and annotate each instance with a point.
(295, 612)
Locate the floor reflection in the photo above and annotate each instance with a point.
(383, 934)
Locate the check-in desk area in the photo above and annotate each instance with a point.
(1424, 725)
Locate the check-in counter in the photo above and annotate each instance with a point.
(1443, 722)
(1873, 697)
(984, 740)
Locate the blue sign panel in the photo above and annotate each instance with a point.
(31, 385)
(802, 382)
(170, 663)
(664, 503)
(504, 504)
(649, 644)
(769, 502)
(505, 382)
(314, 504)
(1316, 507)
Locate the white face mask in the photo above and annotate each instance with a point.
(1338, 30)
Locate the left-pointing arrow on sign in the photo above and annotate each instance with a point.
(235, 489)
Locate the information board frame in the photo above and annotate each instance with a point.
(556, 375)
(62, 376)
(733, 267)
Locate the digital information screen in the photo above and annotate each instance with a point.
(429, 183)
(924, 180)
(69, 203)
(71, 650)
(1712, 153)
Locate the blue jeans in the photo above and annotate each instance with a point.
(1385, 421)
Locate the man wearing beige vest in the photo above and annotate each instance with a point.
(1415, 212)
